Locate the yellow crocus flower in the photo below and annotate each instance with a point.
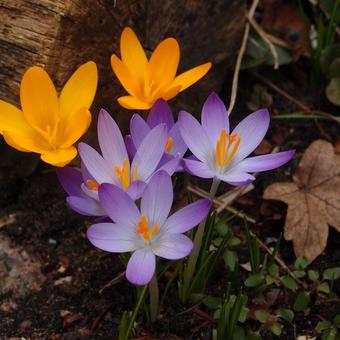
(47, 124)
(148, 80)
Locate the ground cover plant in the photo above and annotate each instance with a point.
(212, 221)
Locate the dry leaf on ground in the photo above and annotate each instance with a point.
(313, 199)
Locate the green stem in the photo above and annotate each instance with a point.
(154, 297)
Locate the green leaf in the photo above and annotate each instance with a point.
(324, 288)
(323, 325)
(262, 315)
(253, 336)
(217, 241)
(289, 283)
(254, 280)
(239, 333)
(301, 302)
(313, 275)
(299, 273)
(331, 273)
(273, 269)
(333, 91)
(286, 314)
(300, 263)
(222, 229)
(269, 280)
(230, 259)
(234, 241)
(276, 328)
(212, 302)
(336, 320)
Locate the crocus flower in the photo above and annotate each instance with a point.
(159, 114)
(146, 231)
(147, 80)
(47, 124)
(222, 154)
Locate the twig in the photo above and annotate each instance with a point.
(240, 57)
(114, 281)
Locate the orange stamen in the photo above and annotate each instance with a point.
(143, 228)
(123, 173)
(169, 145)
(92, 185)
(226, 147)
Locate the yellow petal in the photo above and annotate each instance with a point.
(164, 61)
(170, 92)
(59, 157)
(79, 90)
(131, 103)
(132, 53)
(126, 78)
(190, 77)
(11, 118)
(73, 127)
(39, 99)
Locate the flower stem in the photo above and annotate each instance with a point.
(190, 269)
(154, 297)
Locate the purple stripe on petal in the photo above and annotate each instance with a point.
(112, 237)
(173, 246)
(85, 206)
(119, 205)
(110, 140)
(265, 162)
(214, 117)
(252, 130)
(130, 147)
(157, 198)
(160, 113)
(236, 177)
(195, 137)
(138, 129)
(71, 180)
(197, 168)
(187, 217)
(141, 267)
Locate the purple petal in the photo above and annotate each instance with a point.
(187, 217)
(252, 130)
(160, 113)
(130, 146)
(150, 152)
(89, 192)
(138, 129)
(173, 246)
(110, 139)
(141, 267)
(95, 164)
(85, 206)
(236, 177)
(265, 162)
(157, 198)
(71, 180)
(169, 164)
(214, 117)
(197, 168)
(112, 237)
(179, 147)
(119, 205)
(195, 137)
(136, 189)
(85, 173)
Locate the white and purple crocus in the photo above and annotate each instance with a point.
(147, 231)
(221, 154)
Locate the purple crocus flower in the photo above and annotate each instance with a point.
(221, 154)
(114, 166)
(146, 231)
(159, 114)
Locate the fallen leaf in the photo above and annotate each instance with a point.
(313, 200)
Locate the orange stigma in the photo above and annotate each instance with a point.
(226, 147)
(143, 228)
(123, 173)
(92, 185)
(169, 145)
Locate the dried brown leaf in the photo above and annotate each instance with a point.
(313, 199)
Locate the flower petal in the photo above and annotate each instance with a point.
(169, 164)
(236, 177)
(39, 100)
(119, 205)
(112, 237)
(130, 146)
(71, 180)
(150, 152)
(138, 129)
(172, 246)
(164, 61)
(85, 206)
(214, 117)
(157, 198)
(59, 157)
(195, 137)
(79, 90)
(265, 162)
(167, 93)
(186, 79)
(197, 168)
(111, 140)
(132, 53)
(132, 103)
(188, 217)
(136, 189)
(141, 267)
(160, 113)
(252, 130)
(179, 147)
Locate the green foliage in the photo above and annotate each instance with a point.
(302, 301)
(329, 330)
(289, 283)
